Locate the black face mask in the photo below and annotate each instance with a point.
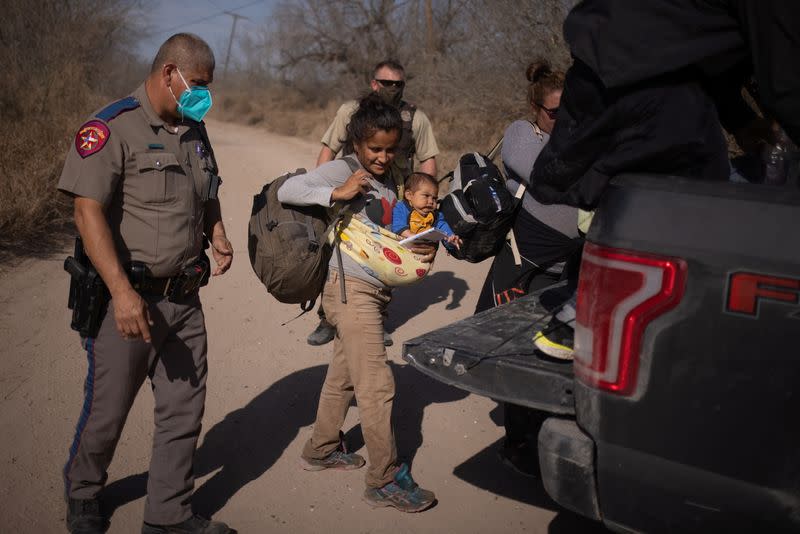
(391, 95)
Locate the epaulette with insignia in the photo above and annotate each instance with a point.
(117, 108)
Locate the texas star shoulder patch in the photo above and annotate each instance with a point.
(91, 137)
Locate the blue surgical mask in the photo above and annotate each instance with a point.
(194, 102)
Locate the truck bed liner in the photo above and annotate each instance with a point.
(492, 354)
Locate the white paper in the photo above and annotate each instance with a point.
(431, 235)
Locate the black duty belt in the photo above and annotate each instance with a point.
(155, 286)
(175, 287)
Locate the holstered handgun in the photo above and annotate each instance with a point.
(176, 288)
(190, 279)
(88, 295)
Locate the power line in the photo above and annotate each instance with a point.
(209, 17)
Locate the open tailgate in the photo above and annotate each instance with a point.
(492, 354)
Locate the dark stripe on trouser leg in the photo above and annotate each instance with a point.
(88, 398)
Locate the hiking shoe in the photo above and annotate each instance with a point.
(338, 459)
(193, 525)
(324, 333)
(556, 340)
(341, 458)
(402, 493)
(521, 459)
(335, 460)
(387, 339)
(85, 517)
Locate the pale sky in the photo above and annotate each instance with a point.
(206, 18)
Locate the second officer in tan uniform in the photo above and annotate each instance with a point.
(144, 178)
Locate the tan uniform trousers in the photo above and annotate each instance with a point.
(359, 367)
(176, 365)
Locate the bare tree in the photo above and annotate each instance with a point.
(465, 59)
(349, 36)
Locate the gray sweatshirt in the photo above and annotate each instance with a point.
(315, 188)
(521, 146)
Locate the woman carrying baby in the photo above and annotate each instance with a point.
(359, 366)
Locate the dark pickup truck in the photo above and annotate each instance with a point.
(681, 411)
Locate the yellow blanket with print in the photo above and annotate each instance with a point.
(378, 252)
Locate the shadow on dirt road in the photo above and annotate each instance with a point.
(485, 470)
(245, 444)
(411, 301)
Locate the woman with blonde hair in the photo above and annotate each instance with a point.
(546, 236)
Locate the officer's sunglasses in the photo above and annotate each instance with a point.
(551, 112)
(393, 83)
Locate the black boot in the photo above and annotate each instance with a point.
(521, 458)
(387, 339)
(85, 517)
(323, 334)
(193, 525)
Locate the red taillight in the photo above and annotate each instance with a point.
(619, 294)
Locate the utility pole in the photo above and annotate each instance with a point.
(236, 18)
(429, 26)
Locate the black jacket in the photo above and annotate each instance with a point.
(628, 41)
(646, 84)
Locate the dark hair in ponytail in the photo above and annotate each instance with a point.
(372, 115)
(542, 80)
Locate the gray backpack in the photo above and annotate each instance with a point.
(288, 245)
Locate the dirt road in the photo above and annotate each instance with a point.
(262, 391)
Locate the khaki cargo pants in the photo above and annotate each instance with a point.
(175, 361)
(359, 367)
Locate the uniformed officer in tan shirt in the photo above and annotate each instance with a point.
(417, 142)
(143, 177)
(388, 81)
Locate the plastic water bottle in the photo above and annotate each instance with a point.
(496, 199)
(776, 160)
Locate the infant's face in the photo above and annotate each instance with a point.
(423, 199)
